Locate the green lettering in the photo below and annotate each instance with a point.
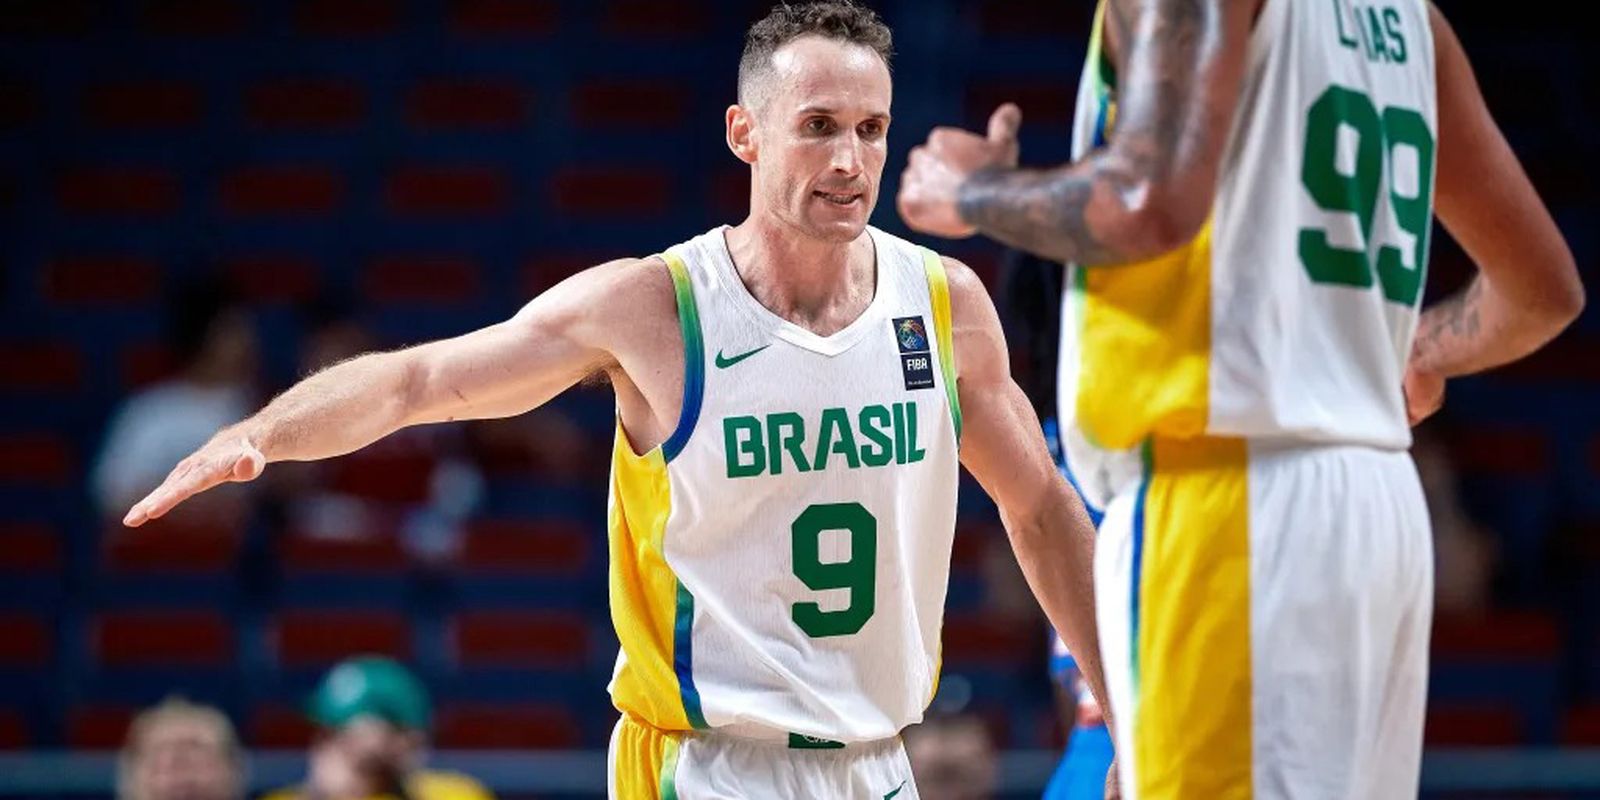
(836, 437)
(899, 432)
(1338, 16)
(915, 453)
(791, 442)
(1397, 37)
(875, 432)
(1375, 37)
(736, 446)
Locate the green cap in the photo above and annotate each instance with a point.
(370, 686)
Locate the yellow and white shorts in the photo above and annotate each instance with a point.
(649, 764)
(1264, 618)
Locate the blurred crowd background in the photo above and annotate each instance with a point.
(203, 200)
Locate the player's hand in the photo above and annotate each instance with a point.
(935, 171)
(228, 457)
(1424, 393)
(1113, 786)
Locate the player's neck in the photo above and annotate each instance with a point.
(802, 279)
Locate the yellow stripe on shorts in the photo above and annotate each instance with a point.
(647, 763)
(1192, 681)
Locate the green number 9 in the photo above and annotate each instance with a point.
(857, 573)
(1377, 137)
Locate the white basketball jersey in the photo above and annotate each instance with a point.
(1290, 315)
(779, 565)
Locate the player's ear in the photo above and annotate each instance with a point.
(741, 129)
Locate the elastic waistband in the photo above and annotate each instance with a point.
(763, 736)
(1169, 455)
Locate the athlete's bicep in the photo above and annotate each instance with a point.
(554, 341)
(1482, 194)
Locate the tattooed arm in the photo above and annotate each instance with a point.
(1527, 289)
(1179, 68)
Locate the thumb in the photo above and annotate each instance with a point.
(1004, 122)
(249, 465)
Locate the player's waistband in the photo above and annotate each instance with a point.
(760, 735)
(1177, 455)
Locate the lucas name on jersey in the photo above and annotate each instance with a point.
(873, 436)
(1361, 30)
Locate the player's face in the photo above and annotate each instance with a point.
(822, 137)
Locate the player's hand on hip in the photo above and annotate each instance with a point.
(931, 183)
(1424, 394)
(229, 457)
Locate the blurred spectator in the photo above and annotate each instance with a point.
(372, 716)
(181, 751)
(952, 757)
(408, 483)
(212, 339)
(1465, 552)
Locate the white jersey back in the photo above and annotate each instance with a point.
(1290, 315)
(779, 565)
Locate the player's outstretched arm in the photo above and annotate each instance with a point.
(1179, 67)
(1527, 289)
(1002, 445)
(505, 369)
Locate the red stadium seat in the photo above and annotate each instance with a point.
(282, 191)
(102, 280)
(189, 638)
(1000, 18)
(1498, 636)
(505, 727)
(40, 367)
(96, 727)
(396, 470)
(347, 18)
(1581, 727)
(500, 18)
(650, 105)
(144, 363)
(511, 546)
(1473, 726)
(25, 641)
(207, 18)
(169, 546)
(730, 190)
(656, 20)
(62, 18)
(130, 191)
(447, 191)
(376, 554)
(307, 638)
(458, 105)
(144, 105)
(519, 639)
(273, 278)
(548, 268)
(1046, 103)
(280, 727)
(971, 545)
(1502, 451)
(602, 192)
(980, 640)
(35, 459)
(19, 105)
(305, 104)
(29, 548)
(421, 280)
(14, 733)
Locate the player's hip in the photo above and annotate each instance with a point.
(646, 763)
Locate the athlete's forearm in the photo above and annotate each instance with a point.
(1480, 328)
(1055, 548)
(1076, 213)
(340, 409)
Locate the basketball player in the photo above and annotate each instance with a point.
(791, 395)
(1247, 227)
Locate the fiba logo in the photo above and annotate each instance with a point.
(911, 334)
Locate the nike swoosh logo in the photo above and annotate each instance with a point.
(724, 362)
(896, 791)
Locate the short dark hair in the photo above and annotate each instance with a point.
(840, 20)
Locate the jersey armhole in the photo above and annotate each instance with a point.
(694, 356)
(939, 295)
